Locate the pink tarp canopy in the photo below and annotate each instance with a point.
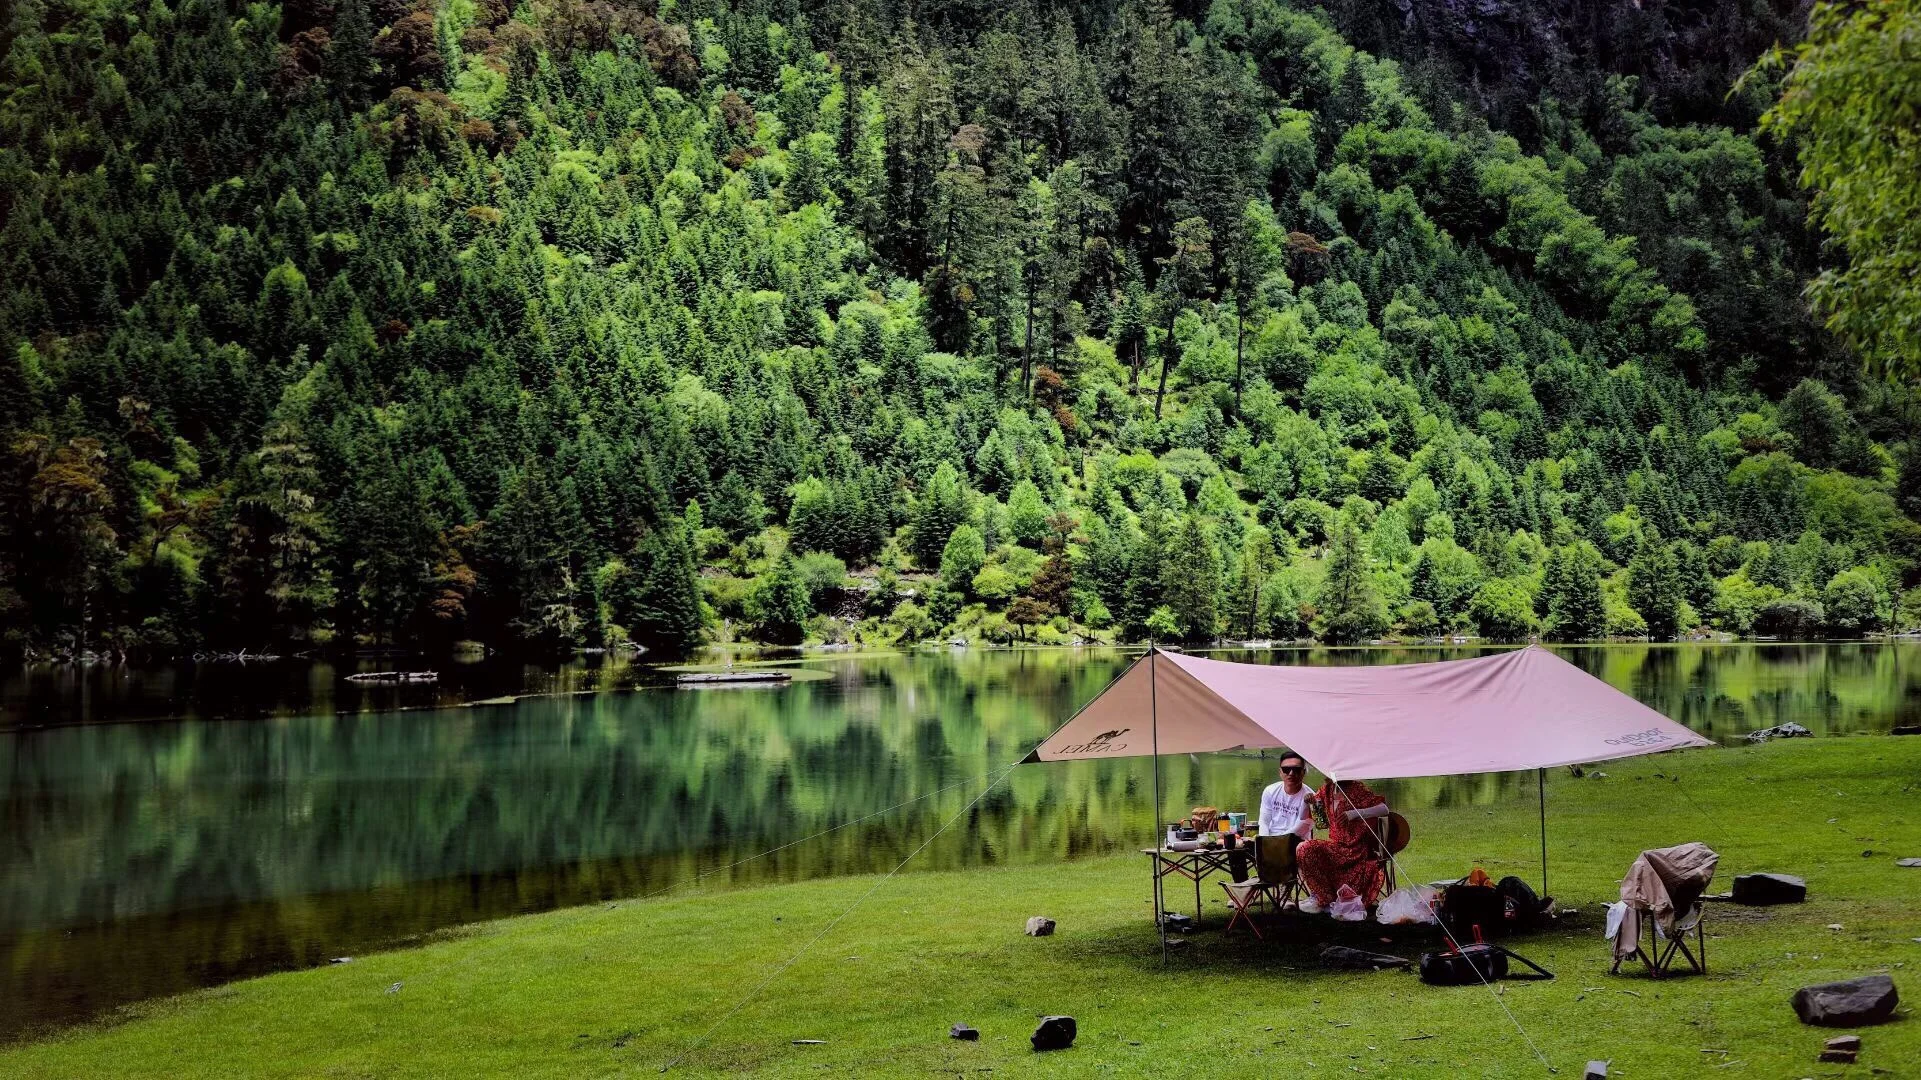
(1525, 709)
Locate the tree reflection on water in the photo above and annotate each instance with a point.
(181, 853)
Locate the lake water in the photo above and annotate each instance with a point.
(171, 828)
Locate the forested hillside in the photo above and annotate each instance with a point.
(351, 322)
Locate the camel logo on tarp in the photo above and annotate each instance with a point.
(1650, 737)
(1100, 744)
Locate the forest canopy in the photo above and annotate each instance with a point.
(354, 322)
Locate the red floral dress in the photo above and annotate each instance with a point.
(1346, 857)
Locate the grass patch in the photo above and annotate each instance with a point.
(623, 988)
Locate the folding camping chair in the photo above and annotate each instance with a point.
(1661, 906)
(1391, 835)
(1276, 879)
(1659, 956)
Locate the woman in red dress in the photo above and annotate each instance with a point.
(1347, 856)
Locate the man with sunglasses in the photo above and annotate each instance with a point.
(1285, 803)
(1285, 811)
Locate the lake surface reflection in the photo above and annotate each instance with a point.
(148, 856)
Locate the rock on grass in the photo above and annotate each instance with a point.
(1869, 999)
(1054, 1033)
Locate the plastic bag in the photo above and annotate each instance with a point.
(1348, 906)
(1411, 906)
(1617, 913)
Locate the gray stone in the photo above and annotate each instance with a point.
(1040, 926)
(1837, 1057)
(1758, 890)
(1596, 1070)
(1843, 1042)
(1176, 922)
(963, 1032)
(1908, 729)
(1907, 862)
(1054, 1033)
(1779, 731)
(1869, 999)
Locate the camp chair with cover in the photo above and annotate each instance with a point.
(1661, 906)
(1389, 837)
(1276, 880)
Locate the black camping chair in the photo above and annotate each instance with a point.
(1276, 879)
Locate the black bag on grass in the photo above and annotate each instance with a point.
(1520, 907)
(1477, 963)
(1473, 964)
(1464, 907)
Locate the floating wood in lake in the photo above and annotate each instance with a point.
(714, 678)
(395, 677)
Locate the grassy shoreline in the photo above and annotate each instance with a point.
(623, 988)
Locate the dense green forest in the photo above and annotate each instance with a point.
(353, 322)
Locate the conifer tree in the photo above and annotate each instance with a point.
(1571, 590)
(1141, 594)
(1190, 583)
(1256, 569)
(1027, 514)
(961, 558)
(1350, 605)
(780, 606)
(1654, 586)
(941, 507)
(657, 599)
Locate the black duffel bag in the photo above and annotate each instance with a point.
(1521, 908)
(1473, 964)
(1464, 908)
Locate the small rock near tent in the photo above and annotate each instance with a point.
(1869, 999)
(1840, 1050)
(963, 1032)
(1054, 1033)
(1040, 926)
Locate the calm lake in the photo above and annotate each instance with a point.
(171, 828)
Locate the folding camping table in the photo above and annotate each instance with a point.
(1192, 865)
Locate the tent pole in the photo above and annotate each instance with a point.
(1154, 725)
(1540, 781)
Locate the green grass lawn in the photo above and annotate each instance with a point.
(622, 989)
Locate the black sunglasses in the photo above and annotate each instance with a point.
(1294, 768)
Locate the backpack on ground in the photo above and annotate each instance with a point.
(1520, 907)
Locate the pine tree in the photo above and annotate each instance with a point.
(657, 599)
(780, 606)
(1142, 592)
(941, 508)
(1351, 609)
(1190, 582)
(1571, 591)
(961, 558)
(1256, 569)
(1027, 514)
(393, 546)
(1654, 586)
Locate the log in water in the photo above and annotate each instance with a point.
(711, 678)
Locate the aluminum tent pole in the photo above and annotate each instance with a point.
(1154, 725)
(1540, 781)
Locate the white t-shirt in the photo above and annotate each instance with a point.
(1281, 812)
